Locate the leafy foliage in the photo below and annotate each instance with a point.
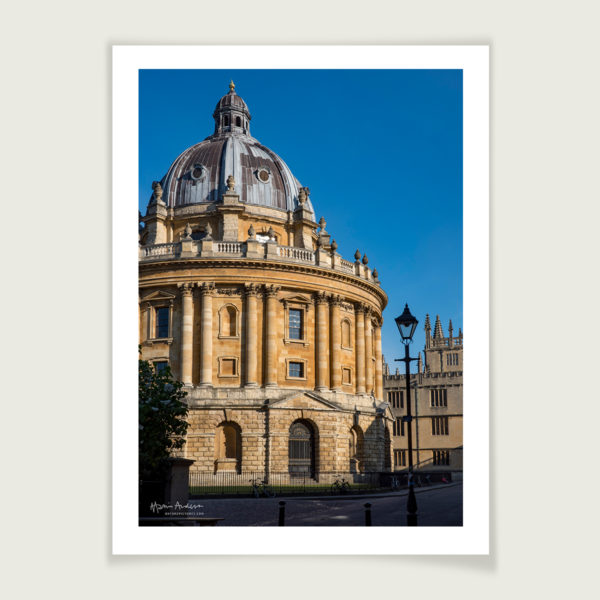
(162, 419)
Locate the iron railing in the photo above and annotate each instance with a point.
(235, 483)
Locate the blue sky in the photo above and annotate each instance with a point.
(380, 150)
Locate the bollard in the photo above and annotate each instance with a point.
(411, 508)
(368, 514)
(281, 513)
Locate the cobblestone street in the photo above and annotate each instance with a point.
(438, 506)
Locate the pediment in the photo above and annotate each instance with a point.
(306, 400)
(158, 295)
(298, 298)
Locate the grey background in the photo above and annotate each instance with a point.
(56, 296)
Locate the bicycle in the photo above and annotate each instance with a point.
(340, 486)
(261, 487)
(395, 483)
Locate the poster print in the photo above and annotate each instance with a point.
(287, 219)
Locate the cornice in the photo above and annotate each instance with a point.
(263, 265)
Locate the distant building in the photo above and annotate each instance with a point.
(437, 403)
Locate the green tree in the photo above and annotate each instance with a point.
(162, 419)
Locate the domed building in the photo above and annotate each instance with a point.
(276, 337)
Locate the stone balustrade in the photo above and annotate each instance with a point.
(268, 251)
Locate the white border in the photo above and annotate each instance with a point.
(473, 537)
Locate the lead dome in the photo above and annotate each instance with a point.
(199, 174)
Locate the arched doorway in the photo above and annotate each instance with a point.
(302, 449)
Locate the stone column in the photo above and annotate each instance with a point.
(359, 312)
(378, 364)
(335, 335)
(187, 328)
(271, 345)
(368, 353)
(321, 342)
(206, 290)
(251, 336)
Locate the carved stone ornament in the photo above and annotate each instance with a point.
(186, 288)
(272, 290)
(302, 195)
(208, 231)
(229, 291)
(334, 245)
(251, 289)
(322, 298)
(187, 232)
(322, 223)
(357, 255)
(336, 300)
(365, 260)
(158, 192)
(251, 233)
(375, 274)
(207, 288)
(230, 184)
(271, 233)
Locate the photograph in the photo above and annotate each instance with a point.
(300, 297)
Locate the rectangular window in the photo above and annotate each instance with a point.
(160, 365)
(438, 397)
(441, 457)
(295, 324)
(296, 369)
(162, 322)
(439, 425)
(402, 427)
(400, 458)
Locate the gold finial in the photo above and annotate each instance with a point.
(231, 86)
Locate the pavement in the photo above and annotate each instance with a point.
(440, 505)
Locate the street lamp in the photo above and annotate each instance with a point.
(406, 326)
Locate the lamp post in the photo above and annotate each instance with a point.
(406, 326)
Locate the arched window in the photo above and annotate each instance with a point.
(225, 121)
(356, 449)
(228, 321)
(302, 449)
(228, 447)
(346, 337)
(238, 122)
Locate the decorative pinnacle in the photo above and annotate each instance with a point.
(450, 327)
(375, 274)
(302, 196)
(357, 255)
(231, 87)
(322, 223)
(427, 323)
(251, 232)
(208, 231)
(438, 333)
(271, 233)
(365, 260)
(334, 245)
(187, 232)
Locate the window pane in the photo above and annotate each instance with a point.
(161, 365)
(162, 322)
(295, 323)
(296, 369)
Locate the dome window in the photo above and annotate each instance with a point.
(238, 122)
(263, 175)
(198, 172)
(225, 121)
